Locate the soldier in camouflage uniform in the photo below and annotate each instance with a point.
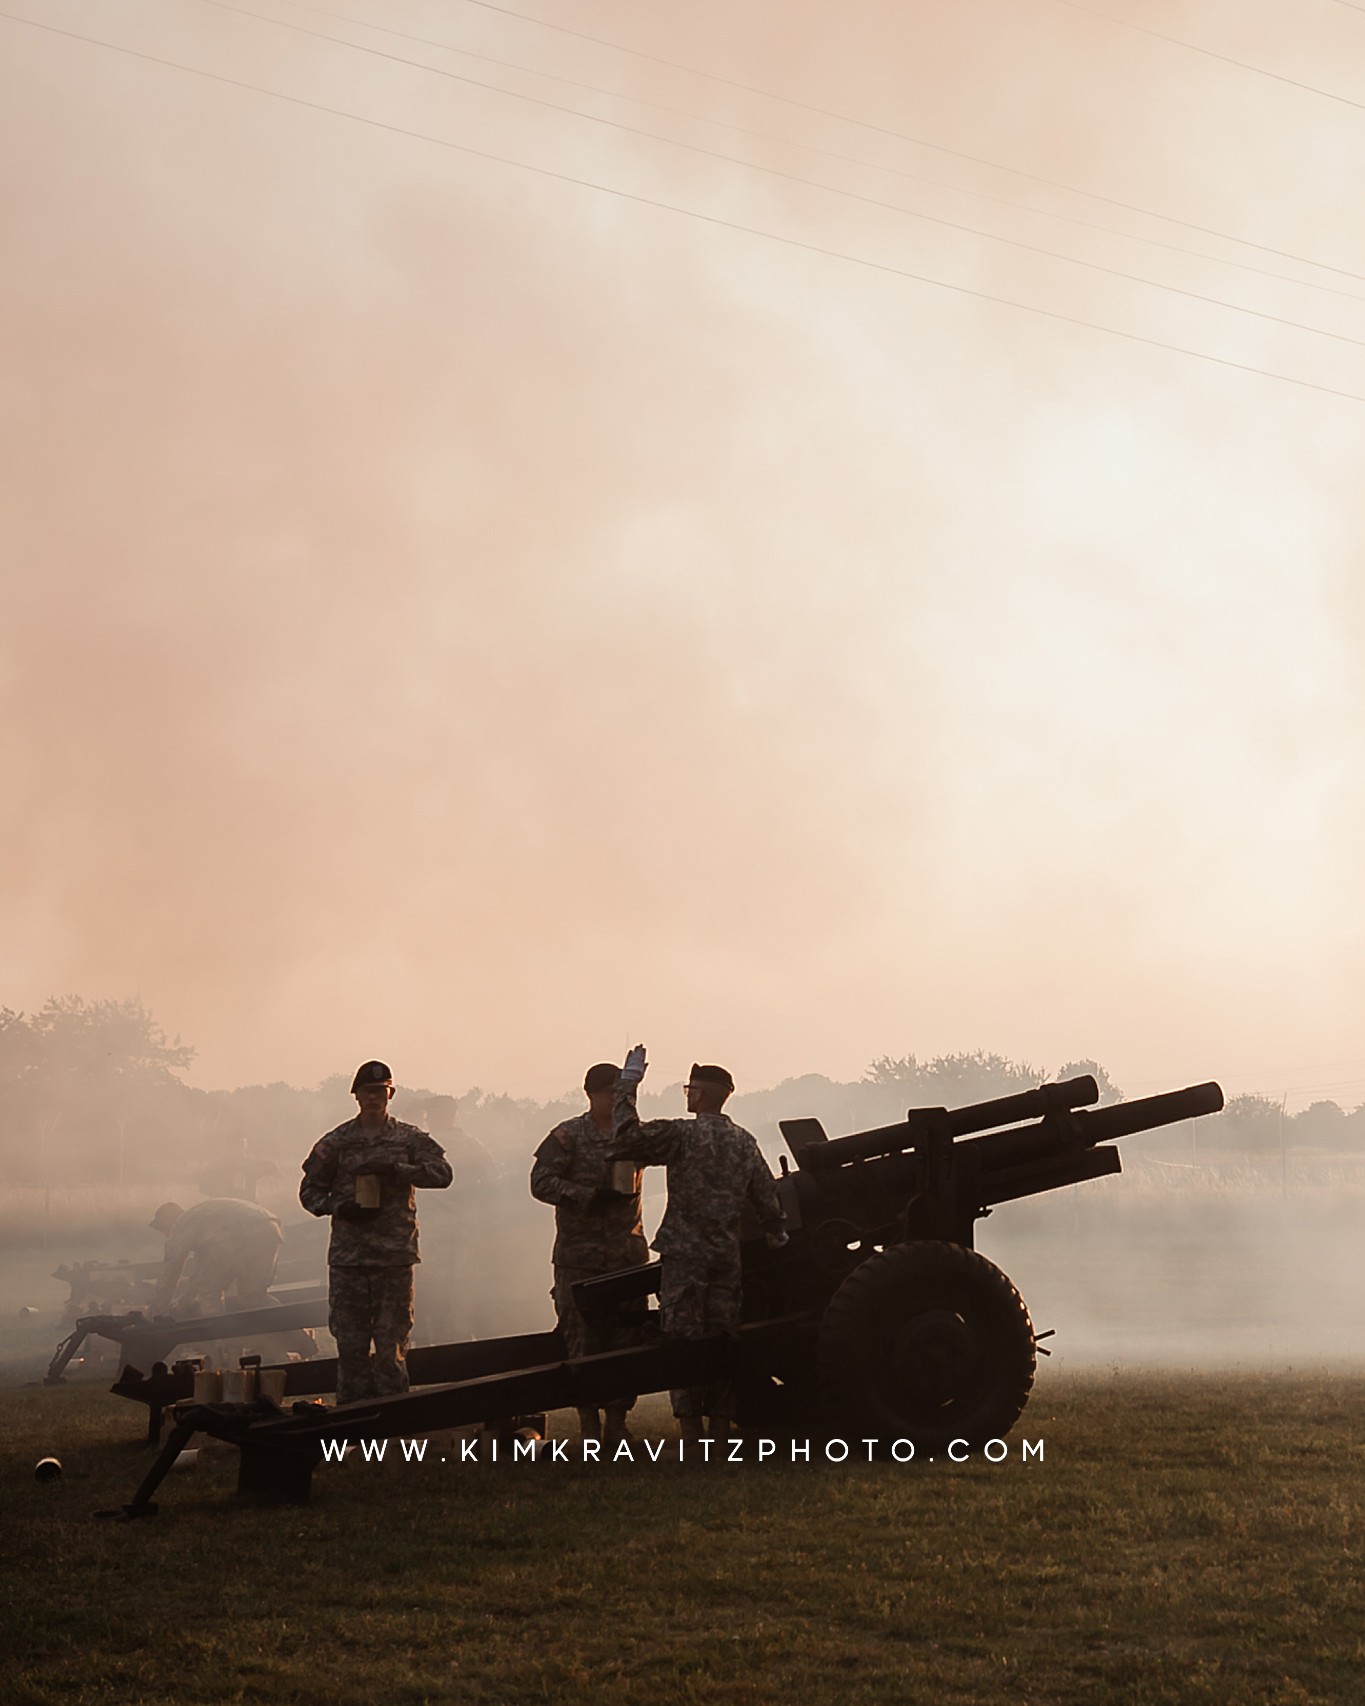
(597, 1229)
(228, 1243)
(373, 1249)
(715, 1170)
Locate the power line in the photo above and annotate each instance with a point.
(795, 178)
(712, 219)
(915, 141)
(1208, 52)
(825, 153)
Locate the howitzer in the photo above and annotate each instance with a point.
(876, 1320)
(906, 1331)
(142, 1341)
(918, 1336)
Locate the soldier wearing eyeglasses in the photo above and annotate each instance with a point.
(715, 1170)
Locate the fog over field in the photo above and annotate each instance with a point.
(1197, 1256)
(794, 533)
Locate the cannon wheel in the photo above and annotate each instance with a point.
(927, 1342)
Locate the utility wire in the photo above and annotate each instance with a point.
(793, 177)
(825, 153)
(883, 267)
(1208, 52)
(915, 141)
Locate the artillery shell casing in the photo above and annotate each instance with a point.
(270, 1384)
(208, 1386)
(239, 1385)
(47, 1469)
(366, 1190)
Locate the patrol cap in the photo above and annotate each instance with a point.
(165, 1217)
(373, 1072)
(601, 1077)
(710, 1075)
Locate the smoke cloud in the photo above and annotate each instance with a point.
(460, 615)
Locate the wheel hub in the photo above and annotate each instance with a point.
(934, 1356)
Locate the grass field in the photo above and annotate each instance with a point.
(1183, 1539)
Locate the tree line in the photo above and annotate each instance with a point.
(95, 1093)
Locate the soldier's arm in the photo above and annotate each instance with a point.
(318, 1192)
(550, 1181)
(652, 1143)
(761, 1191)
(177, 1254)
(427, 1167)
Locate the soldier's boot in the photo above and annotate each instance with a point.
(689, 1429)
(590, 1423)
(614, 1424)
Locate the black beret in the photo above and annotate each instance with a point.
(601, 1077)
(711, 1075)
(373, 1072)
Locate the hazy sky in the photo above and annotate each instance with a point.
(457, 614)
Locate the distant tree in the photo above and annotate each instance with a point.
(114, 1041)
(1249, 1122)
(1323, 1124)
(951, 1079)
(1109, 1091)
(18, 1047)
(93, 1090)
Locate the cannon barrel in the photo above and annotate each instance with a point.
(952, 1122)
(1123, 1119)
(1083, 1130)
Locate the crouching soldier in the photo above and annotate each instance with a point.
(363, 1174)
(227, 1243)
(597, 1230)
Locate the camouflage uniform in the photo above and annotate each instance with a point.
(231, 1242)
(715, 1169)
(590, 1238)
(370, 1261)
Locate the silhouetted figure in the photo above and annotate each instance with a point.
(363, 1174)
(715, 1170)
(597, 1228)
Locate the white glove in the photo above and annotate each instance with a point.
(634, 1069)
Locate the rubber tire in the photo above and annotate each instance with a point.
(928, 1342)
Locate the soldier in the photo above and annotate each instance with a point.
(460, 1271)
(597, 1229)
(232, 1243)
(473, 1166)
(715, 1168)
(363, 1175)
